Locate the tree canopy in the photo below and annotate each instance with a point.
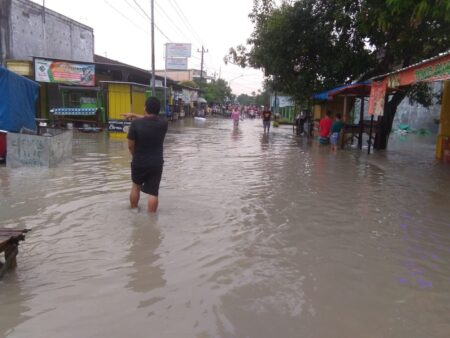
(307, 46)
(217, 91)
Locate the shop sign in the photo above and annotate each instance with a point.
(178, 50)
(377, 97)
(194, 96)
(119, 126)
(186, 96)
(64, 72)
(435, 70)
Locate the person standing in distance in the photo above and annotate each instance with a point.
(145, 143)
(266, 116)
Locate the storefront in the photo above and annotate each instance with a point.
(122, 98)
(68, 94)
(434, 69)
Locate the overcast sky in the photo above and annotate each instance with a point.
(122, 32)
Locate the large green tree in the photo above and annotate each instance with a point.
(217, 91)
(306, 46)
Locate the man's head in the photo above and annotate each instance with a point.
(152, 105)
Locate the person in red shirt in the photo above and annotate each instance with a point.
(325, 128)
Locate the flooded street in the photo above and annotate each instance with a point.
(255, 236)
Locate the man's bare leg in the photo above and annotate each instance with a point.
(152, 204)
(134, 195)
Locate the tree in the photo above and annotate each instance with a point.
(307, 46)
(191, 84)
(217, 91)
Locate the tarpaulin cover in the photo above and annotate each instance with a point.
(358, 88)
(17, 101)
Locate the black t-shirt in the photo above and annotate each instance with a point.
(267, 114)
(148, 134)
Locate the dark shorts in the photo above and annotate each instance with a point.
(324, 140)
(148, 178)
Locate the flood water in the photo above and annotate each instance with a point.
(255, 236)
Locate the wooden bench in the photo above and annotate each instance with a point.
(9, 244)
(350, 132)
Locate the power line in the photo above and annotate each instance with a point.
(137, 4)
(185, 21)
(125, 17)
(170, 20)
(135, 10)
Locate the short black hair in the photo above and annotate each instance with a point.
(338, 115)
(152, 105)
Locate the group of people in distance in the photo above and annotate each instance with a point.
(146, 137)
(266, 116)
(329, 130)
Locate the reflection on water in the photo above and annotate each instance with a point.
(257, 235)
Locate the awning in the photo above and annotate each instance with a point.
(353, 89)
(201, 100)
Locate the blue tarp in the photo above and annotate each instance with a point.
(326, 95)
(18, 97)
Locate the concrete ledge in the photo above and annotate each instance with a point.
(37, 150)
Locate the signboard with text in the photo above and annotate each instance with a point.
(178, 50)
(176, 63)
(64, 72)
(434, 70)
(119, 126)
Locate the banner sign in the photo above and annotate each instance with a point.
(176, 63)
(119, 126)
(435, 70)
(377, 97)
(282, 101)
(178, 50)
(64, 72)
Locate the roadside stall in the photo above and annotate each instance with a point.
(122, 98)
(81, 107)
(79, 102)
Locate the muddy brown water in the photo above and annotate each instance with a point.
(256, 236)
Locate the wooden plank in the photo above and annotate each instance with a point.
(13, 230)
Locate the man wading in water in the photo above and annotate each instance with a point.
(145, 143)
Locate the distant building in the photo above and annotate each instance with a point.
(28, 29)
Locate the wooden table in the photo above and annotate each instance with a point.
(9, 244)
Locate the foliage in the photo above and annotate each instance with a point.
(217, 91)
(306, 46)
(285, 121)
(258, 99)
(191, 84)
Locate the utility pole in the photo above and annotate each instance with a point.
(153, 48)
(203, 51)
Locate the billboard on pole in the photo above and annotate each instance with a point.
(178, 50)
(176, 63)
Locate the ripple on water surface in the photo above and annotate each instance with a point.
(256, 236)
